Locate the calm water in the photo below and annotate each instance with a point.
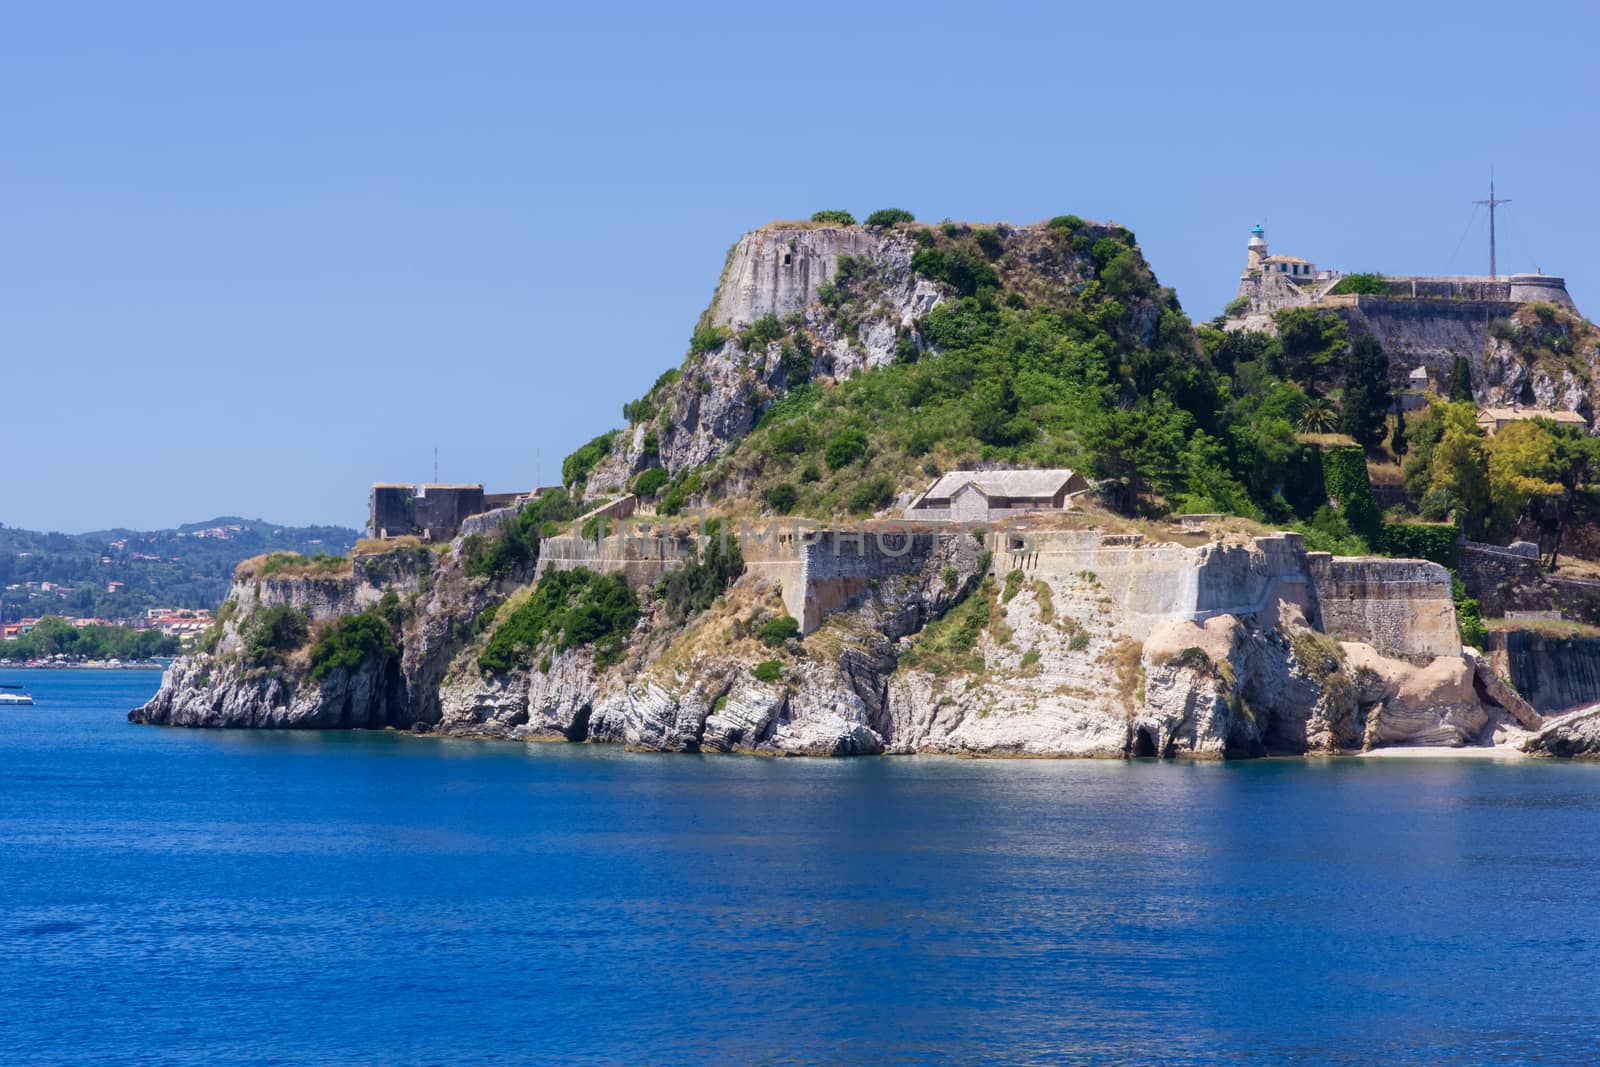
(185, 897)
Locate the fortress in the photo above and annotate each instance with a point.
(1270, 283)
(1421, 320)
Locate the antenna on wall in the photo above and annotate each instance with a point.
(1493, 203)
(435, 464)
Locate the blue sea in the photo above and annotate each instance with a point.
(194, 897)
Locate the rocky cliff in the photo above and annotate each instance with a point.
(1086, 634)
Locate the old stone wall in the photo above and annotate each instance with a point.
(641, 559)
(1151, 582)
(1503, 580)
(1552, 673)
(1401, 607)
(823, 571)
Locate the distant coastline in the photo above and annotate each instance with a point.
(82, 665)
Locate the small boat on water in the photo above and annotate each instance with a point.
(13, 695)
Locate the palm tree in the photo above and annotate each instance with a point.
(1317, 416)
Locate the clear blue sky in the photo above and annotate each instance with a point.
(256, 256)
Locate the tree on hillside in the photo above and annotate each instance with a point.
(1397, 439)
(1365, 399)
(1309, 341)
(1447, 468)
(1459, 387)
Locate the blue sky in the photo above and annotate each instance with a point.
(254, 257)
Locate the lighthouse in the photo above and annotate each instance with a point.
(1256, 250)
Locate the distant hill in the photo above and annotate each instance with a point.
(189, 567)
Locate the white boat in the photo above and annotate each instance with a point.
(13, 695)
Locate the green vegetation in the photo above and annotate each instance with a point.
(1318, 653)
(1345, 475)
(1469, 619)
(688, 590)
(768, 670)
(763, 332)
(1365, 399)
(294, 564)
(515, 548)
(1236, 307)
(117, 574)
(706, 338)
(890, 216)
(1369, 284)
(53, 636)
(649, 482)
(950, 642)
(781, 497)
(576, 467)
(351, 641)
(774, 632)
(1013, 586)
(1459, 389)
(845, 447)
(834, 218)
(273, 632)
(567, 609)
(1431, 541)
(1532, 473)
(644, 409)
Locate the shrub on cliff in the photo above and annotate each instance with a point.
(769, 671)
(834, 218)
(956, 267)
(890, 216)
(1370, 284)
(774, 632)
(1469, 619)
(692, 588)
(567, 609)
(761, 333)
(649, 482)
(576, 467)
(844, 448)
(516, 545)
(273, 632)
(350, 642)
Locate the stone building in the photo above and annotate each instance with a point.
(1493, 419)
(432, 512)
(987, 496)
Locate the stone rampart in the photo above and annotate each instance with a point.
(821, 571)
(1401, 607)
(1151, 582)
(641, 558)
(1503, 579)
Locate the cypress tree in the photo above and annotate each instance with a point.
(1366, 397)
(1460, 384)
(1397, 440)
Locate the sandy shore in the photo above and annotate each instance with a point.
(1471, 752)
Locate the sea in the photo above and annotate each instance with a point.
(173, 896)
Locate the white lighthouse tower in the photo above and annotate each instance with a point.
(1255, 251)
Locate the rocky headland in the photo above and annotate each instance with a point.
(1085, 632)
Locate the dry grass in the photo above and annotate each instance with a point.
(373, 546)
(1547, 627)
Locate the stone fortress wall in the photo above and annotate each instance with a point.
(1401, 607)
(821, 571)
